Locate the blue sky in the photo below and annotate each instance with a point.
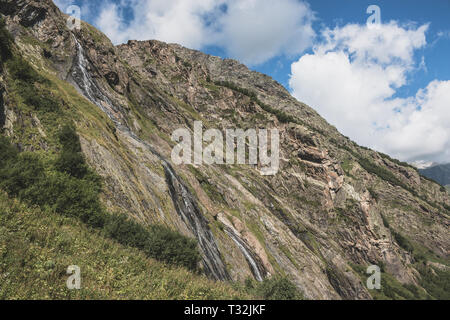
(387, 88)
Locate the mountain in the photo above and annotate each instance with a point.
(88, 128)
(423, 164)
(439, 173)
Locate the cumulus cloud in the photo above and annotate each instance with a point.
(178, 21)
(352, 77)
(249, 30)
(255, 31)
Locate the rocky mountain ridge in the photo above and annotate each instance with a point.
(332, 209)
(440, 173)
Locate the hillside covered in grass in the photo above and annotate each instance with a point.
(37, 246)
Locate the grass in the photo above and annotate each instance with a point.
(37, 246)
(275, 288)
(65, 184)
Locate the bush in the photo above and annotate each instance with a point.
(68, 196)
(7, 151)
(156, 241)
(278, 288)
(21, 70)
(28, 84)
(20, 172)
(72, 164)
(69, 139)
(435, 281)
(71, 160)
(403, 242)
(73, 190)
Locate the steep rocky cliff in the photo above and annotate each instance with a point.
(333, 208)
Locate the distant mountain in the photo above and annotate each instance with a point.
(439, 173)
(423, 164)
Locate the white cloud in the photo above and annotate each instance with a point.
(178, 21)
(423, 133)
(352, 77)
(63, 4)
(249, 30)
(255, 31)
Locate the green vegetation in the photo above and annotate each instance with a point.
(435, 281)
(397, 162)
(275, 288)
(278, 288)
(37, 245)
(388, 176)
(281, 116)
(403, 241)
(28, 83)
(66, 185)
(391, 288)
(347, 166)
(70, 188)
(156, 241)
(209, 189)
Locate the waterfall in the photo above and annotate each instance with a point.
(187, 208)
(257, 268)
(184, 202)
(89, 87)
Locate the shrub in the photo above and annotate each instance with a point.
(435, 281)
(68, 196)
(72, 163)
(21, 70)
(71, 160)
(69, 139)
(156, 241)
(403, 242)
(7, 151)
(278, 288)
(20, 172)
(74, 191)
(27, 82)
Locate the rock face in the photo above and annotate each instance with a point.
(322, 213)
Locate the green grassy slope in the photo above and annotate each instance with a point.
(37, 246)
